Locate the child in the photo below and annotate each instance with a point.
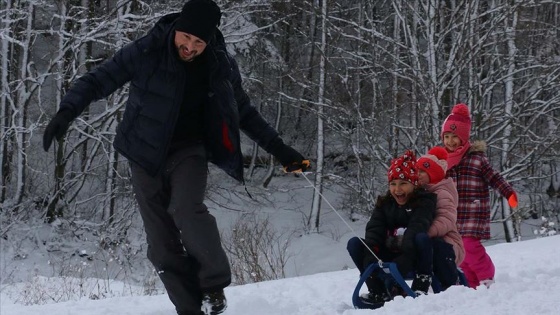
(446, 240)
(471, 171)
(406, 208)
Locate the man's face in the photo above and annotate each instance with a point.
(188, 45)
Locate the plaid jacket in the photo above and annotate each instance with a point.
(474, 175)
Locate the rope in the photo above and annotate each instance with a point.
(379, 261)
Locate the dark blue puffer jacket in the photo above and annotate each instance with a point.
(157, 83)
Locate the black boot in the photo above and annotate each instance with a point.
(377, 295)
(375, 300)
(395, 289)
(214, 303)
(421, 284)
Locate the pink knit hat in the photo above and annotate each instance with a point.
(434, 163)
(459, 123)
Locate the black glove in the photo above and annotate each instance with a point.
(57, 127)
(393, 243)
(298, 167)
(291, 159)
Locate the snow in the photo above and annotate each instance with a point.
(527, 282)
(320, 274)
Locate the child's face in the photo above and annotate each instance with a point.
(451, 141)
(401, 190)
(423, 177)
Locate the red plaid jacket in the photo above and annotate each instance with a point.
(474, 175)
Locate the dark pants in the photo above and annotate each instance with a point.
(445, 268)
(183, 239)
(422, 263)
(358, 252)
(424, 254)
(435, 254)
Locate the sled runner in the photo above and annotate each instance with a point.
(389, 273)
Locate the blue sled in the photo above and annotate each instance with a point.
(390, 273)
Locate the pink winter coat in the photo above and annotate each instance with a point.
(445, 221)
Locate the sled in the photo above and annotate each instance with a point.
(390, 274)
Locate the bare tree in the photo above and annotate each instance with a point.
(314, 217)
(351, 86)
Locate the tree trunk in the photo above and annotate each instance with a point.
(5, 112)
(314, 218)
(510, 218)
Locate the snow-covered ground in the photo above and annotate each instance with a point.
(46, 273)
(527, 282)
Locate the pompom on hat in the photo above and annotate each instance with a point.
(434, 163)
(199, 18)
(459, 123)
(404, 168)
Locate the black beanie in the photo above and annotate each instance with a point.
(199, 18)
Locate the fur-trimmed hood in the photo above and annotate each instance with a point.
(478, 146)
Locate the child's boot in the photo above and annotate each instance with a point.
(421, 284)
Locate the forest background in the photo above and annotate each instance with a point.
(350, 84)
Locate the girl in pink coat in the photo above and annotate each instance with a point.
(447, 243)
(473, 174)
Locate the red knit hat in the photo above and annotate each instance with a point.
(434, 163)
(404, 167)
(459, 123)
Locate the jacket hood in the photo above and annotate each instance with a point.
(163, 28)
(478, 146)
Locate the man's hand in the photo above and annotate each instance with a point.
(56, 128)
(291, 160)
(298, 167)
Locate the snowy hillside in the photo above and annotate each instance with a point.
(527, 282)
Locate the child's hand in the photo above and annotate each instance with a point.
(512, 200)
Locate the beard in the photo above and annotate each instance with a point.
(185, 54)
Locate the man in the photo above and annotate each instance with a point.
(185, 107)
